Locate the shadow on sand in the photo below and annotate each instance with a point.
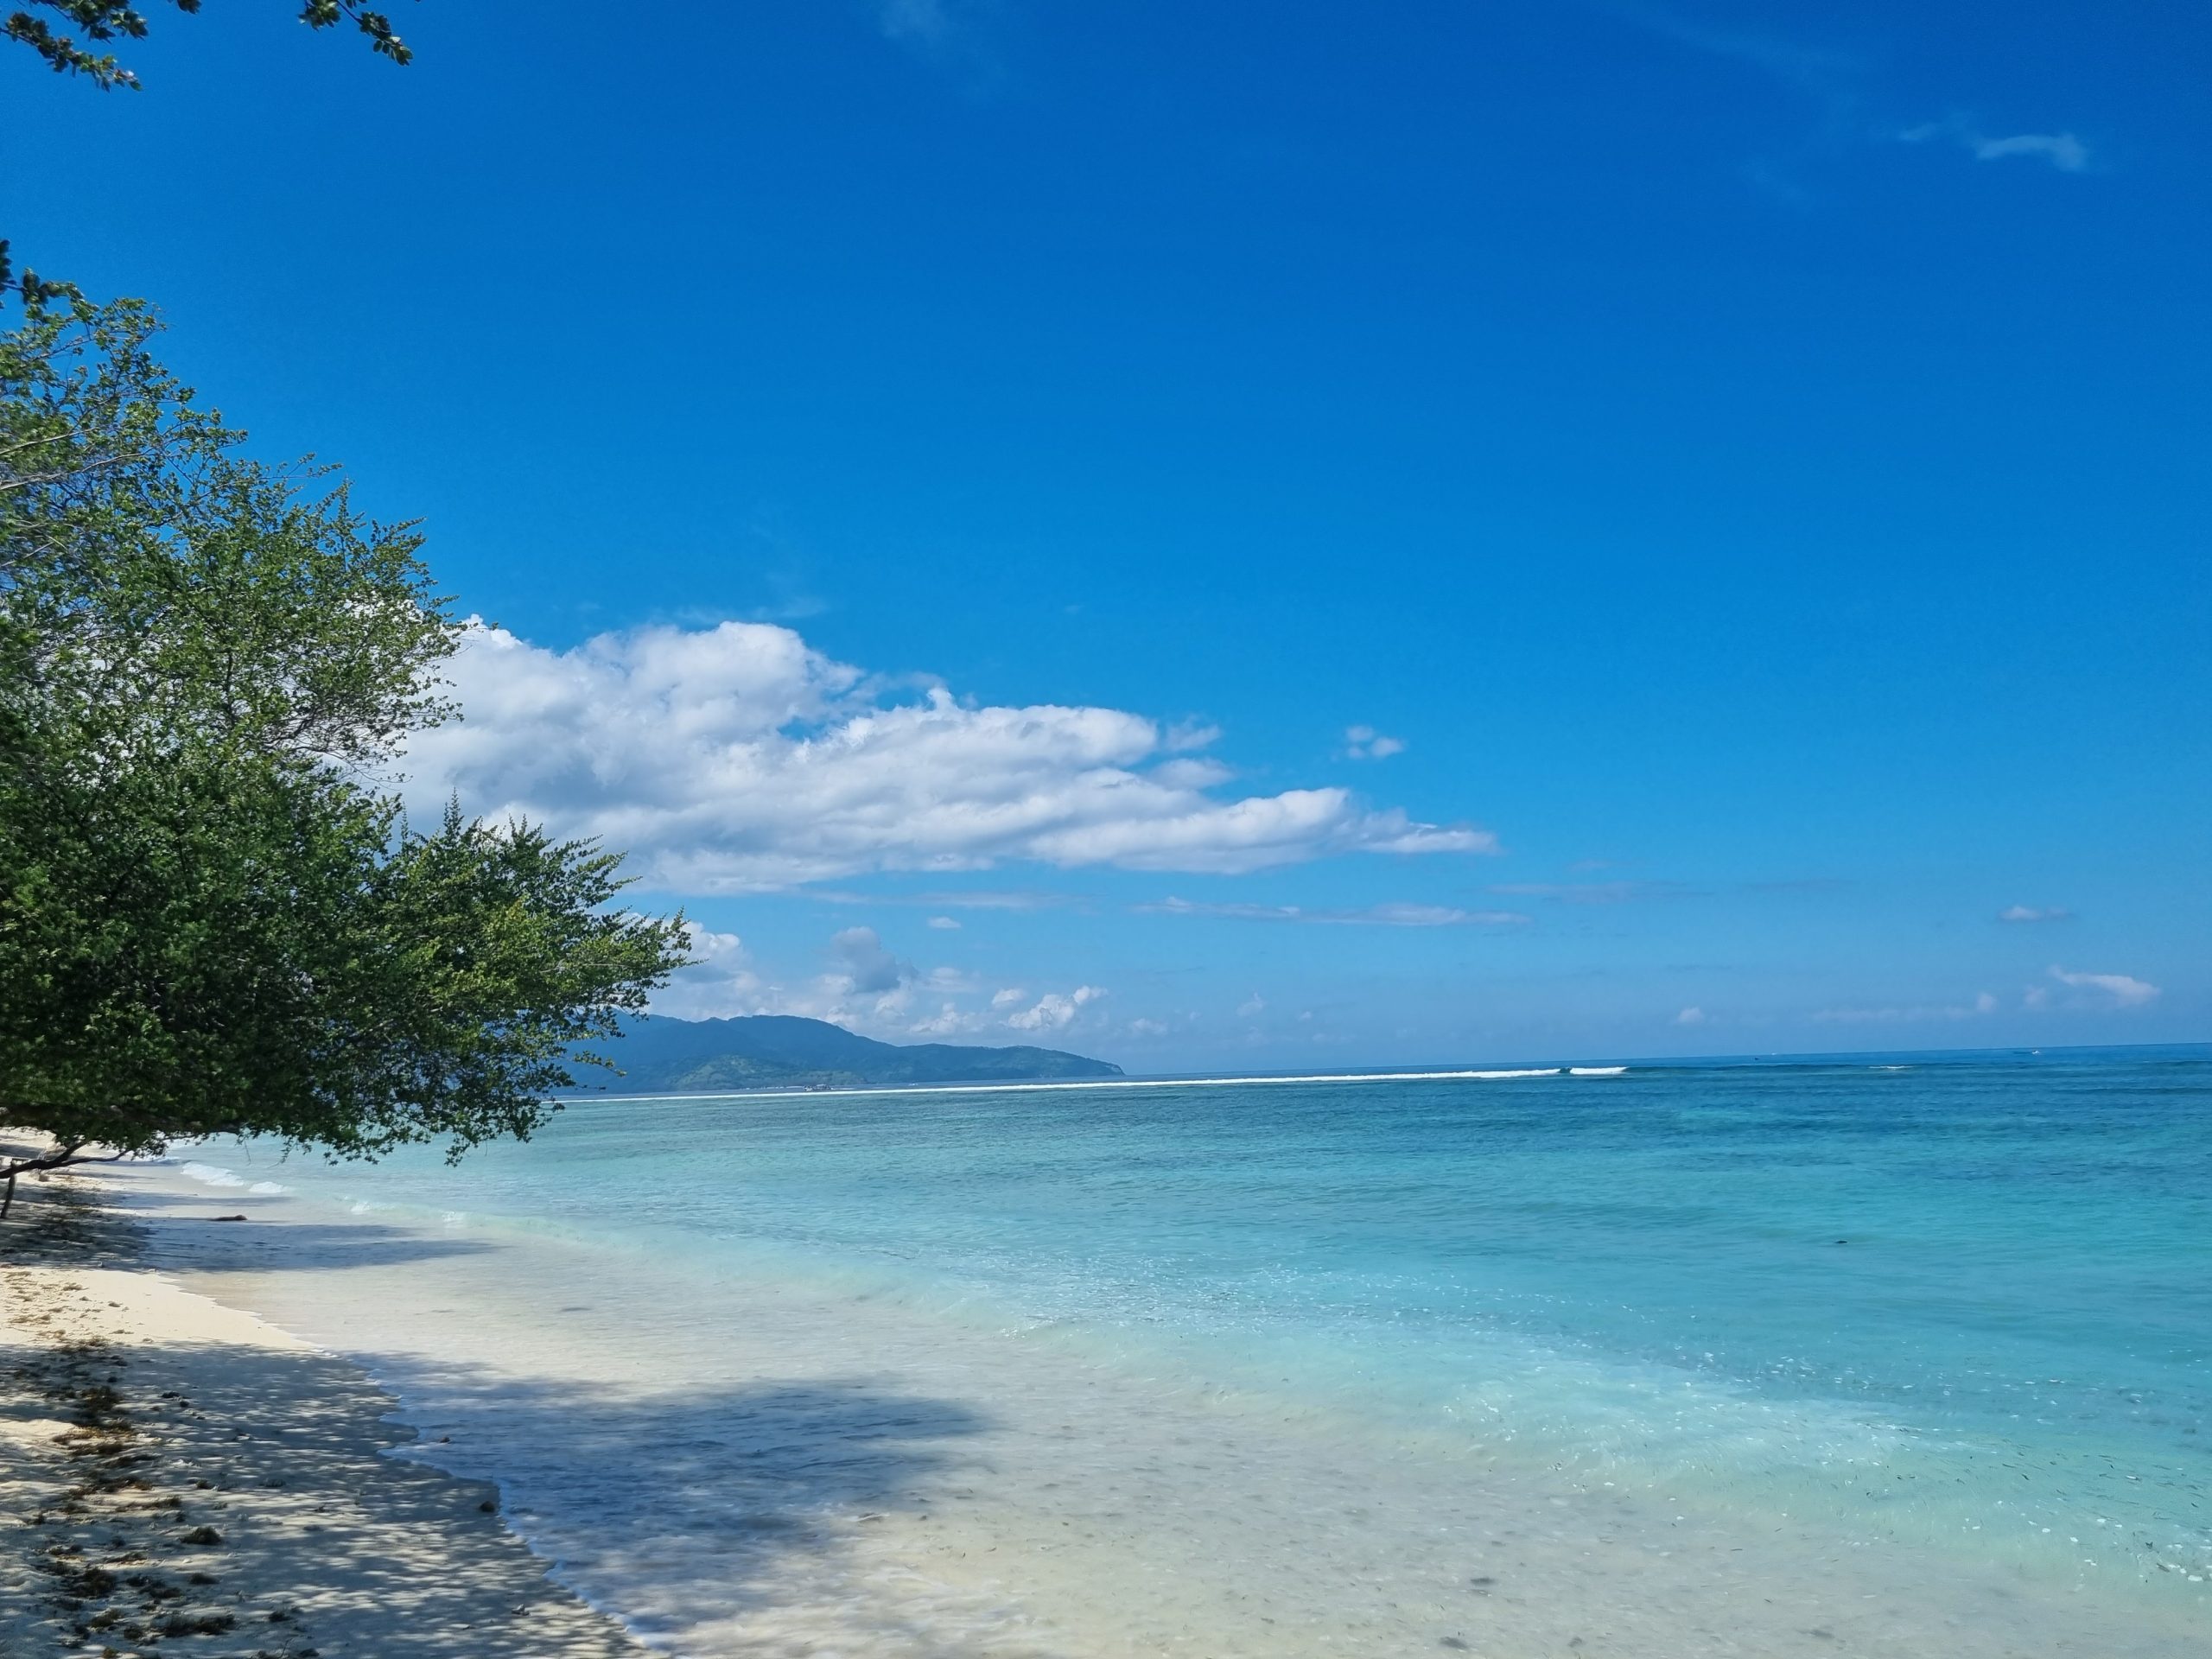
(695, 1503)
(703, 1506)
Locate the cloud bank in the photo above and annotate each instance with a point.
(737, 759)
(870, 989)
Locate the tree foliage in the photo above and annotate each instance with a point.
(101, 21)
(214, 918)
(161, 587)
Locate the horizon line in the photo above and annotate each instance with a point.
(1592, 1071)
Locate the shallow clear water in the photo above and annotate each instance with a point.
(1936, 1326)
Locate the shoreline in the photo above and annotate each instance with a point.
(742, 1460)
(179, 1476)
(1042, 1085)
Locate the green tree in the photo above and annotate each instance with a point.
(214, 918)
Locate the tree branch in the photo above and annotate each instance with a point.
(60, 1158)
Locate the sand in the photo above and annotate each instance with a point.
(179, 1478)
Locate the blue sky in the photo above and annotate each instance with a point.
(1748, 462)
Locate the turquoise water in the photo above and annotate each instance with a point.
(1959, 1301)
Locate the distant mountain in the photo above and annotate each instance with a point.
(769, 1051)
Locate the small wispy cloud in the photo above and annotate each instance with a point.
(1365, 743)
(2106, 990)
(925, 21)
(1587, 892)
(957, 899)
(1690, 1016)
(1620, 892)
(1913, 1014)
(948, 1021)
(1826, 82)
(1388, 915)
(960, 36)
(2034, 913)
(2060, 149)
(1817, 69)
(1837, 82)
(944, 923)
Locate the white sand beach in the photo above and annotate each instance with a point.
(175, 1473)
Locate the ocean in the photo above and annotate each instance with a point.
(1897, 1354)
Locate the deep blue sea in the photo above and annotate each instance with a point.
(1956, 1307)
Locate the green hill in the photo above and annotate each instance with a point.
(772, 1051)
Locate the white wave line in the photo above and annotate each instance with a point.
(1103, 1083)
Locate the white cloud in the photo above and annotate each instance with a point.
(1385, 915)
(719, 983)
(2106, 990)
(1251, 1006)
(1365, 743)
(948, 1021)
(1690, 1017)
(867, 988)
(1051, 1011)
(2031, 913)
(736, 758)
(2062, 149)
(944, 923)
(1148, 1028)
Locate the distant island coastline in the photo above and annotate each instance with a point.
(659, 1054)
